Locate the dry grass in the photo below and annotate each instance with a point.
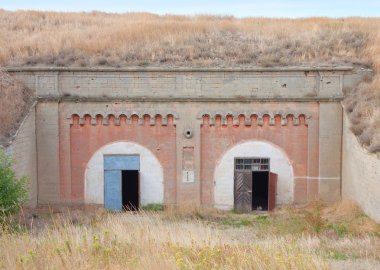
(98, 39)
(30, 38)
(200, 239)
(14, 103)
(362, 106)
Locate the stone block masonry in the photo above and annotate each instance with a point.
(360, 174)
(23, 150)
(189, 120)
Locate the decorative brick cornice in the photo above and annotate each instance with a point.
(119, 116)
(259, 116)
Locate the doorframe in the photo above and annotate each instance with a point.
(138, 189)
(251, 171)
(121, 179)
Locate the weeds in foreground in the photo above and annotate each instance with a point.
(337, 220)
(201, 239)
(125, 241)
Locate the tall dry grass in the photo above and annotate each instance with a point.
(199, 239)
(88, 39)
(15, 100)
(126, 241)
(29, 38)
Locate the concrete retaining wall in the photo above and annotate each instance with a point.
(360, 174)
(23, 150)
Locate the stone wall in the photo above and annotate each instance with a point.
(195, 84)
(360, 174)
(296, 108)
(23, 150)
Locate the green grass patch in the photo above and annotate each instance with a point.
(153, 207)
(236, 222)
(262, 220)
(337, 255)
(340, 229)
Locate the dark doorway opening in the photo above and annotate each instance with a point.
(260, 190)
(130, 189)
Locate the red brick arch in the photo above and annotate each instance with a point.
(88, 134)
(216, 139)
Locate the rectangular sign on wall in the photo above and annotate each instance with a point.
(188, 176)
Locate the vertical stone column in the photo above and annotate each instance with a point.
(47, 132)
(330, 146)
(64, 154)
(188, 157)
(47, 152)
(311, 182)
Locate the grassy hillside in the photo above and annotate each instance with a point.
(30, 38)
(88, 39)
(15, 101)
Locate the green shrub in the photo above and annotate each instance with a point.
(13, 191)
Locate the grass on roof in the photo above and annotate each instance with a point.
(34, 38)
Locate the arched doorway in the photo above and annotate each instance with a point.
(278, 163)
(126, 160)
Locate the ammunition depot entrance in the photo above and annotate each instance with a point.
(121, 182)
(254, 185)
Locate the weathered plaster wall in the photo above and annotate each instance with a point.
(285, 123)
(151, 173)
(330, 151)
(194, 84)
(23, 150)
(360, 174)
(103, 97)
(279, 164)
(90, 136)
(47, 132)
(289, 132)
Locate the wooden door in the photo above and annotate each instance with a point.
(243, 191)
(272, 190)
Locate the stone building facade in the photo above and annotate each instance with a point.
(226, 138)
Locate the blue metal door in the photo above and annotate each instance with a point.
(113, 165)
(112, 190)
(118, 162)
